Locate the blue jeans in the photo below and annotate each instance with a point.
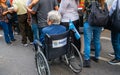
(41, 36)
(115, 37)
(10, 31)
(35, 31)
(89, 33)
(6, 31)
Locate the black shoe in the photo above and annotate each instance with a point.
(95, 59)
(114, 62)
(13, 40)
(9, 43)
(86, 63)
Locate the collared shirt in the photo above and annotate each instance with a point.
(113, 7)
(20, 5)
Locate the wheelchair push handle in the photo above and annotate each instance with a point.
(72, 27)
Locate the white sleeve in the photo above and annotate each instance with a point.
(28, 2)
(14, 3)
(63, 6)
(113, 7)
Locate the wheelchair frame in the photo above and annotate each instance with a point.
(42, 58)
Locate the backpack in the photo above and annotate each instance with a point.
(116, 19)
(97, 16)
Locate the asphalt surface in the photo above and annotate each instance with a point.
(18, 60)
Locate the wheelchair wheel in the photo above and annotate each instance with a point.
(74, 59)
(41, 63)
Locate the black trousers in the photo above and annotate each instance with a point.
(25, 28)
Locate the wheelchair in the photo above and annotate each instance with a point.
(56, 46)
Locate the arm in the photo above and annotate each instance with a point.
(31, 11)
(33, 3)
(5, 12)
(56, 5)
(34, 9)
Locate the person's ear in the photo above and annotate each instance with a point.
(49, 22)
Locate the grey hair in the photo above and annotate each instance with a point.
(54, 16)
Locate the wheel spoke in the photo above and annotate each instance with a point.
(42, 64)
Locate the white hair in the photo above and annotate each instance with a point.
(54, 16)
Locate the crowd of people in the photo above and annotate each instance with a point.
(34, 18)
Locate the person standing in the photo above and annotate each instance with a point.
(4, 22)
(33, 19)
(25, 28)
(115, 35)
(92, 31)
(69, 11)
(41, 10)
(12, 18)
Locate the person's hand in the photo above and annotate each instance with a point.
(29, 10)
(10, 11)
(29, 20)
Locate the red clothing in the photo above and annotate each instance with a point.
(11, 1)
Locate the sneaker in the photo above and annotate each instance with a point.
(95, 59)
(114, 62)
(86, 63)
(73, 63)
(31, 43)
(13, 40)
(111, 54)
(25, 45)
(16, 33)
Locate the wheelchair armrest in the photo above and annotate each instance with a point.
(48, 35)
(38, 42)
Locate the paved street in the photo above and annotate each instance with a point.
(18, 60)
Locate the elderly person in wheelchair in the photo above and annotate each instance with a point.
(55, 42)
(54, 26)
